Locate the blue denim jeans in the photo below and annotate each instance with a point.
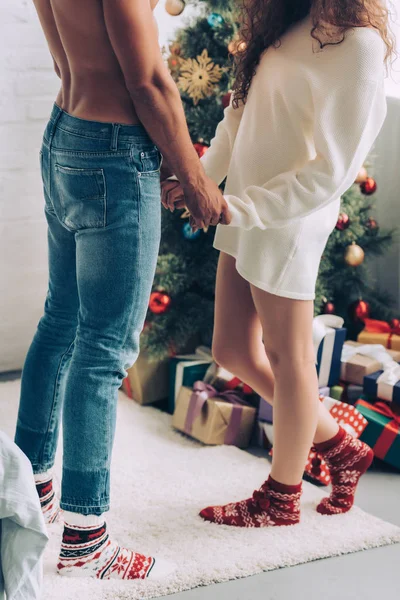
(102, 204)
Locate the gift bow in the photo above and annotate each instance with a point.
(387, 380)
(322, 324)
(376, 351)
(390, 431)
(374, 326)
(201, 393)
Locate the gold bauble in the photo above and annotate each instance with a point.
(354, 255)
(175, 7)
(362, 175)
(236, 46)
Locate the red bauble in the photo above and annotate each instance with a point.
(395, 323)
(226, 98)
(372, 224)
(159, 302)
(368, 186)
(200, 148)
(343, 222)
(329, 308)
(359, 310)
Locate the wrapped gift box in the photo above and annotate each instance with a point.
(384, 385)
(147, 381)
(336, 392)
(359, 360)
(185, 370)
(212, 417)
(380, 332)
(328, 337)
(346, 392)
(265, 411)
(222, 380)
(382, 432)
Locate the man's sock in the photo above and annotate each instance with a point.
(347, 458)
(87, 551)
(48, 499)
(273, 505)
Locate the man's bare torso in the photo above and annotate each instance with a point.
(93, 86)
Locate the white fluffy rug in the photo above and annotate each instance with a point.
(161, 479)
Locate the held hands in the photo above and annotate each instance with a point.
(204, 201)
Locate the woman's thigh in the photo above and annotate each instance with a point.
(237, 327)
(286, 326)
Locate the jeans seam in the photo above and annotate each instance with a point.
(56, 390)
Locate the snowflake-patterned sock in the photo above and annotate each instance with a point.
(347, 458)
(48, 499)
(87, 551)
(272, 505)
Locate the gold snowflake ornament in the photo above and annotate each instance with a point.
(198, 76)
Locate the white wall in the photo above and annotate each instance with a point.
(28, 87)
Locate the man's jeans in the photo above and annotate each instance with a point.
(102, 204)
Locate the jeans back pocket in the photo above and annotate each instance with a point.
(81, 196)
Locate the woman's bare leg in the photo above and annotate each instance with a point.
(287, 331)
(238, 345)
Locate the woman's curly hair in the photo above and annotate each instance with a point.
(263, 22)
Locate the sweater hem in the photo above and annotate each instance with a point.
(260, 284)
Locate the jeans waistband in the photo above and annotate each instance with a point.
(98, 129)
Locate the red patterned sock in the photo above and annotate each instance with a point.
(347, 458)
(274, 504)
(87, 551)
(48, 499)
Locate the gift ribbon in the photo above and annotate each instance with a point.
(204, 391)
(376, 351)
(374, 326)
(387, 380)
(390, 431)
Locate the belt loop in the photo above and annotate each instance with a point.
(114, 136)
(54, 127)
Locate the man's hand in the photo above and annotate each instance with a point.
(204, 201)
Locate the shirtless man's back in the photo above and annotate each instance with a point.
(118, 107)
(93, 84)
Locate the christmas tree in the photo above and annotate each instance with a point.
(201, 60)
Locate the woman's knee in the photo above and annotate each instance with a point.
(286, 359)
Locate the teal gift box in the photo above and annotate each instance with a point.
(185, 370)
(382, 433)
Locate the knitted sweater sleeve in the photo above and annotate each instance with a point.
(347, 119)
(217, 158)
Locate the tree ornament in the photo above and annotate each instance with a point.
(198, 76)
(236, 46)
(175, 48)
(215, 20)
(395, 324)
(200, 148)
(359, 310)
(188, 232)
(175, 7)
(159, 302)
(354, 255)
(372, 225)
(368, 186)
(343, 222)
(362, 175)
(226, 99)
(328, 308)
